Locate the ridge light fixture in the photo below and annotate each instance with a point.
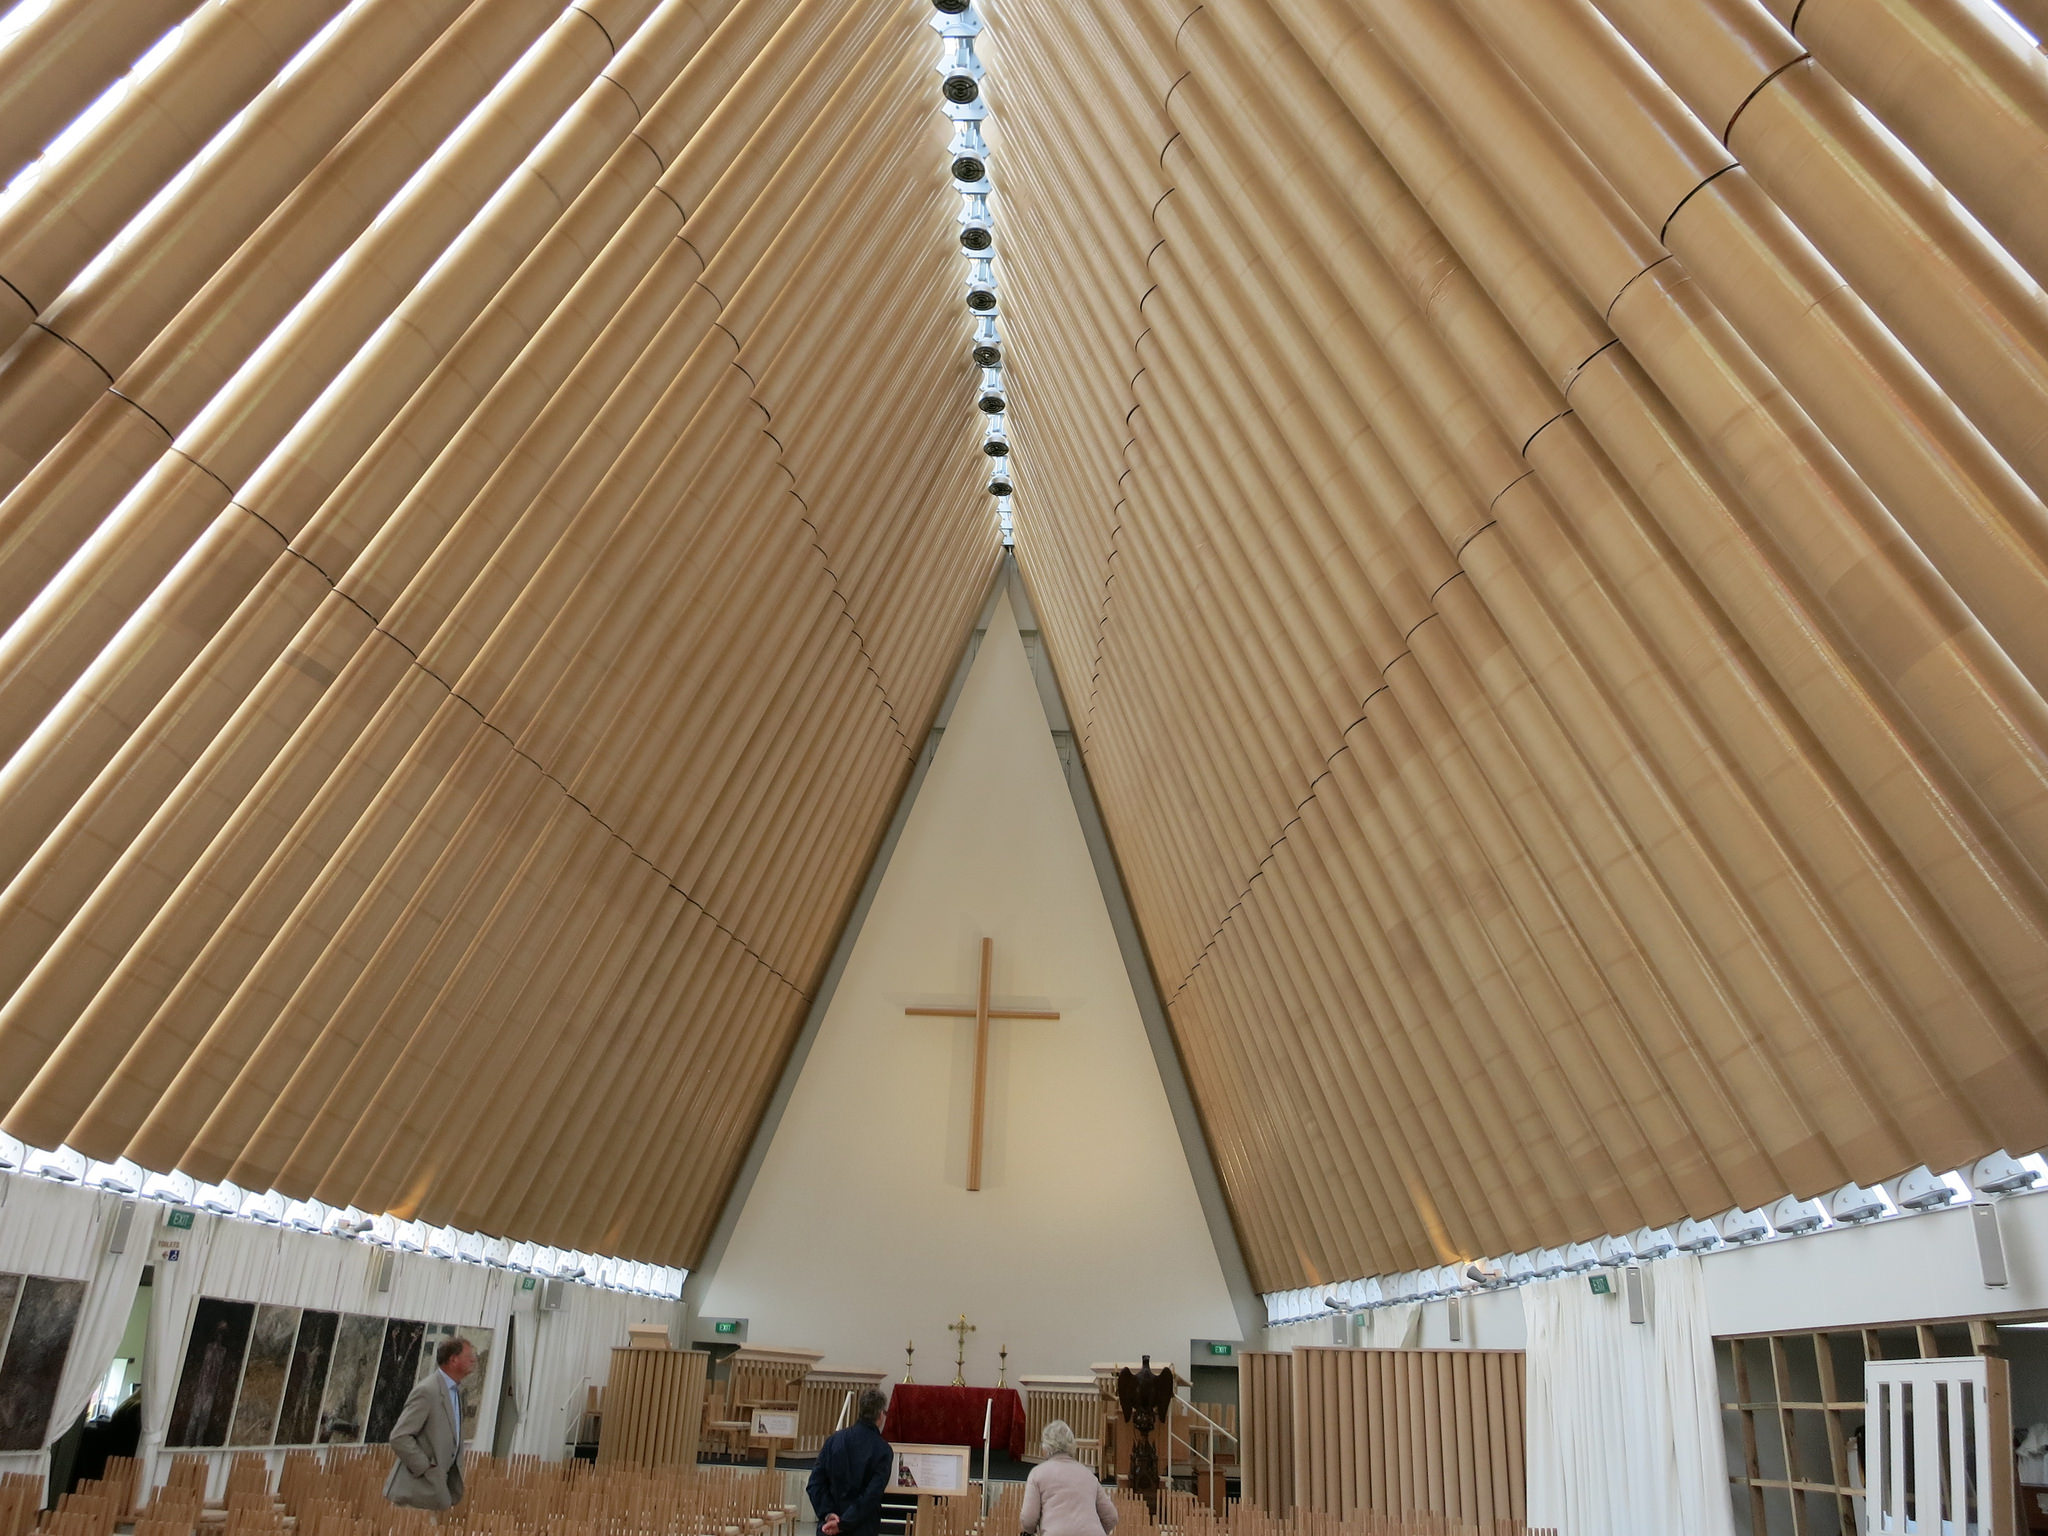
(2002, 1174)
(1924, 1190)
(1793, 1215)
(1852, 1203)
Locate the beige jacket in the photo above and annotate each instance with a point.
(429, 1470)
(1063, 1498)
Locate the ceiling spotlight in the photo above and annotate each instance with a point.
(171, 1188)
(2002, 1174)
(977, 229)
(1651, 1242)
(1696, 1236)
(1740, 1226)
(306, 1215)
(991, 401)
(222, 1198)
(1614, 1252)
(949, 7)
(981, 285)
(65, 1164)
(265, 1205)
(1853, 1203)
(969, 151)
(121, 1177)
(960, 72)
(1793, 1215)
(1924, 1190)
(999, 483)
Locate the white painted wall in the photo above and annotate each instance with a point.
(1086, 1242)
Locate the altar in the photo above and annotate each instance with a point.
(935, 1415)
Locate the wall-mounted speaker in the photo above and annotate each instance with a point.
(124, 1223)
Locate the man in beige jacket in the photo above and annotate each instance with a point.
(428, 1434)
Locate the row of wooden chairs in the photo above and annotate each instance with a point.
(339, 1491)
(1182, 1514)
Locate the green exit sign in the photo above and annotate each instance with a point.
(725, 1325)
(178, 1220)
(1600, 1285)
(526, 1282)
(1219, 1349)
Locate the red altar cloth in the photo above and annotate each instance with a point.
(922, 1415)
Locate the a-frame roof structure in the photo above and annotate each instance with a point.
(1536, 508)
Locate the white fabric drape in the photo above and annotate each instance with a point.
(1624, 1420)
(1395, 1327)
(48, 1228)
(1287, 1336)
(63, 1231)
(565, 1352)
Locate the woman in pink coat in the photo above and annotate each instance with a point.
(1062, 1497)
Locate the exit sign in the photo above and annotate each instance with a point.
(725, 1325)
(526, 1282)
(178, 1221)
(1600, 1285)
(1219, 1349)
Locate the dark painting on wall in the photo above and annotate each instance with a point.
(472, 1389)
(269, 1362)
(432, 1339)
(299, 1419)
(351, 1377)
(397, 1370)
(38, 1340)
(205, 1404)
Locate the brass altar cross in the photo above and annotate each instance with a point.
(981, 1013)
(960, 1330)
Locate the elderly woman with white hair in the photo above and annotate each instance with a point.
(1062, 1497)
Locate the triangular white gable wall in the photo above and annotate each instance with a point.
(1086, 1242)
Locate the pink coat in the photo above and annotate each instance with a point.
(1062, 1498)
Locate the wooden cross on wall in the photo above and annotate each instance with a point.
(981, 1013)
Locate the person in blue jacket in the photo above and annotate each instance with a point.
(851, 1472)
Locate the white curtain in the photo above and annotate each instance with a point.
(1395, 1327)
(1284, 1337)
(63, 1231)
(1624, 1419)
(565, 1352)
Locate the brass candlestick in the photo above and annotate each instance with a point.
(1003, 1366)
(909, 1349)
